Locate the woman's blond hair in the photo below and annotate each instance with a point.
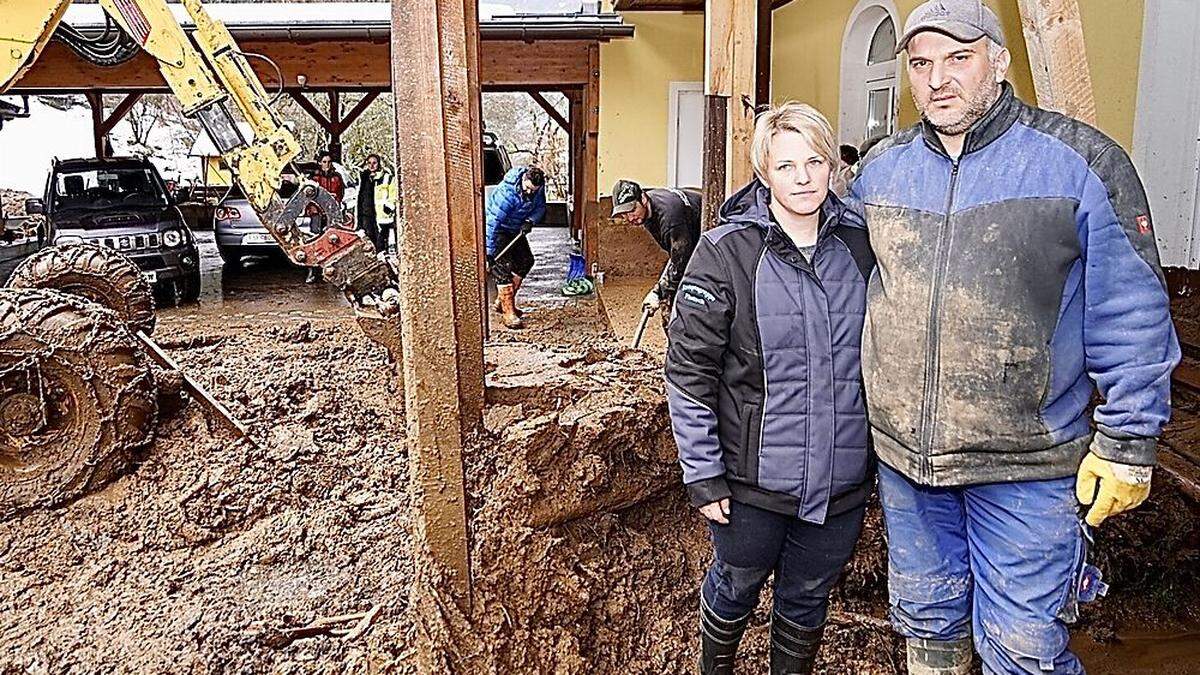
(800, 118)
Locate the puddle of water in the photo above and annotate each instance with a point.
(1134, 653)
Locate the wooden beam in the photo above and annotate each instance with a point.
(718, 85)
(96, 101)
(335, 126)
(588, 176)
(312, 110)
(350, 65)
(119, 113)
(436, 152)
(716, 113)
(762, 65)
(1058, 57)
(358, 109)
(743, 62)
(551, 110)
(578, 143)
(464, 132)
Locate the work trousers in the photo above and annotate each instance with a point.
(999, 562)
(517, 261)
(806, 560)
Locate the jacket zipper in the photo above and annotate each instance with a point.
(932, 351)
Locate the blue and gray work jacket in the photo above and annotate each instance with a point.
(1009, 281)
(763, 373)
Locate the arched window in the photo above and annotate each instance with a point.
(870, 75)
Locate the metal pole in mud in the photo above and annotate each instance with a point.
(437, 147)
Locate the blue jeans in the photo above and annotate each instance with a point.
(998, 562)
(806, 559)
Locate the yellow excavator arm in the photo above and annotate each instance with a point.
(206, 71)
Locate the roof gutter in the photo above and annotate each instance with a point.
(383, 33)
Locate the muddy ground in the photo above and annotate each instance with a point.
(587, 555)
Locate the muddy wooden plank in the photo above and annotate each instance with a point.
(429, 60)
(1058, 57)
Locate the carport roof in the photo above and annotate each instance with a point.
(325, 20)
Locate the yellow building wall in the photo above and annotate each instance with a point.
(635, 80)
(806, 56)
(635, 74)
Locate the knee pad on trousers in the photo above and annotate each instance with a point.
(939, 657)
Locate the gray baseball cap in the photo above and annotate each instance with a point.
(963, 20)
(626, 195)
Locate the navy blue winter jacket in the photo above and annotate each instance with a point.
(763, 373)
(1009, 281)
(508, 207)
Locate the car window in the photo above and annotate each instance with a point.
(101, 188)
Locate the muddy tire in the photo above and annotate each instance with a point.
(77, 397)
(99, 274)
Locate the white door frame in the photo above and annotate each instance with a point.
(1166, 135)
(674, 89)
(855, 73)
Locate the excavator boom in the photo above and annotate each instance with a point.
(207, 72)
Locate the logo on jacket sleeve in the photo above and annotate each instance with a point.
(696, 295)
(1143, 224)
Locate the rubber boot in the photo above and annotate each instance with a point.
(517, 287)
(719, 640)
(510, 318)
(793, 647)
(939, 657)
(496, 306)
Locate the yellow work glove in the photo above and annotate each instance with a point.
(1122, 487)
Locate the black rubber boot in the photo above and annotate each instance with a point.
(793, 647)
(939, 657)
(719, 640)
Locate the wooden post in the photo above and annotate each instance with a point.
(467, 249)
(718, 85)
(577, 148)
(335, 126)
(437, 148)
(744, 57)
(96, 101)
(730, 87)
(591, 138)
(1058, 57)
(762, 67)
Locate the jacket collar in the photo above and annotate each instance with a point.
(997, 120)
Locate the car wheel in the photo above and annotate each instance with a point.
(232, 255)
(191, 287)
(99, 274)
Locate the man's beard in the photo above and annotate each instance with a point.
(977, 106)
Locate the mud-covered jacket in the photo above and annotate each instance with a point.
(509, 207)
(1008, 282)
(763, 376)
(674, 222)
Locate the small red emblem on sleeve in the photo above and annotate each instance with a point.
(1143, 224)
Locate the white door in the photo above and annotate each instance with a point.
(685, 141)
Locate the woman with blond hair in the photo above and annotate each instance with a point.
(765, 392)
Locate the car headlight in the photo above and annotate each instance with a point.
(172, 238)
(67, 240)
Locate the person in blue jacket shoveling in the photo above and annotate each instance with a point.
(517, 204)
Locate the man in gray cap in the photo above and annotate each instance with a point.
(1017, 273)
(672, 217)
